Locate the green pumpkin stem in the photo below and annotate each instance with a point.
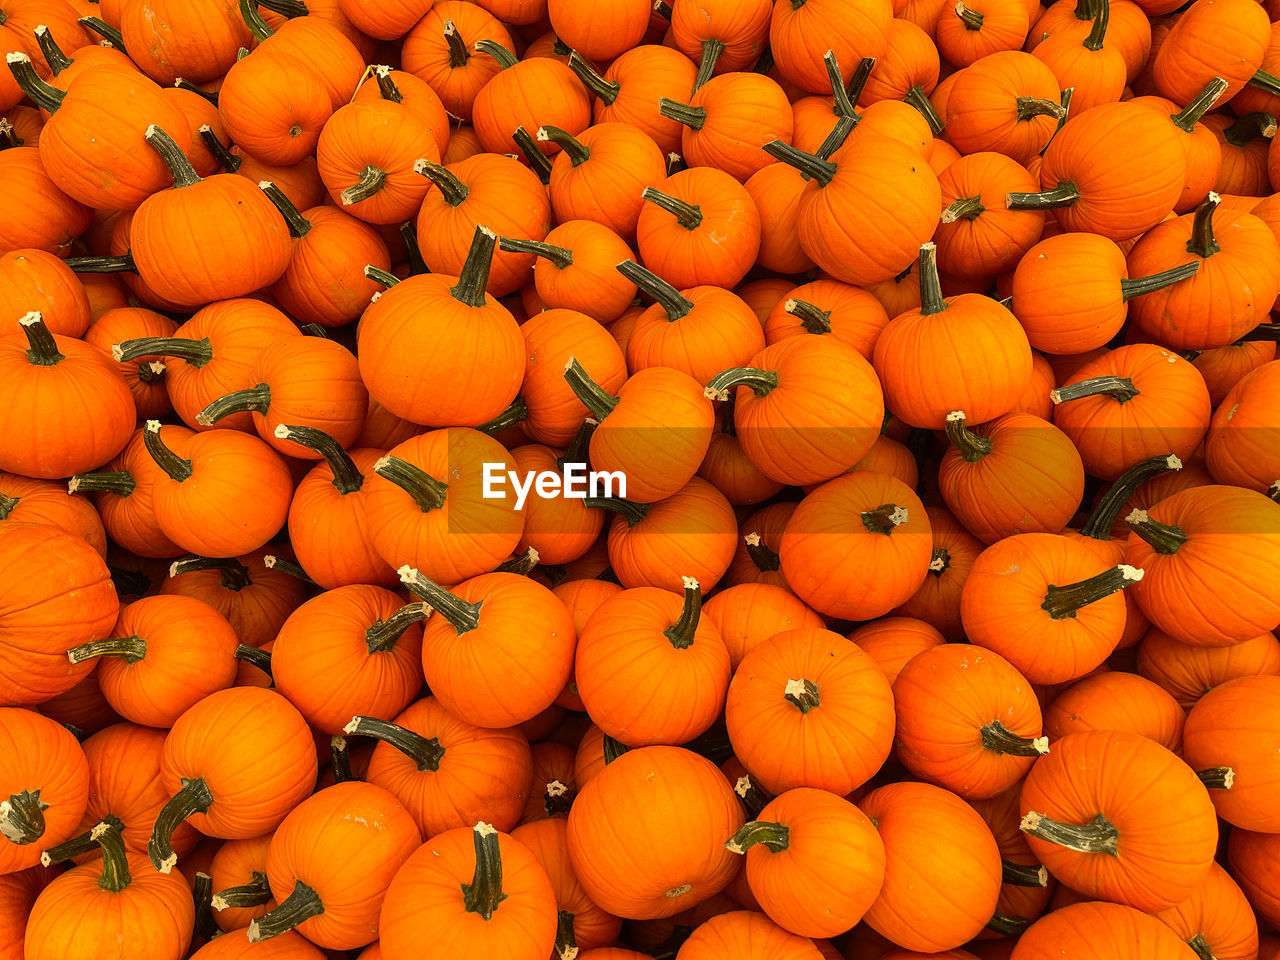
(682, 113)
(226, 159)
(939, 561)
(301, 905)
(372, 179)
(971, 19)
(44, 95)
(629, 510)
(802, 694)
(566, 946)
(382, 635)
(1217, 778)
(427, 492)
(593, 396)
(173, 465)
(22, 817)
(284, 565)
(195, 352)
(425, 752)
(1201, 948)
(260, 29)
(9, 139)
(459, 53)
(385, 278)
(1164, 538)
(42, 348)
(1202, 242)
(299, 226)
(998, 738)
(814, 167)
(506, 59)
(559, 256)
(774, 837)
(7, 505)
(244, 896)
(681, 633)
(971, 446)
(463, 616)
(931, 298)
(347, 477)
(761, 382)
(612, 749)
(517, 412)
(1023, 874)
(78, 845)
(765, 559)
(606, 90)
(1062, 603)
(451, 188)
(184, 175)
(884, 519)
(470, 288)
(286, 8)
(104, 30)
(711, 51)
(812, 318)
(194, 797)
(130, 649)
(538, 161)
(182, 83)
(675, 304)
(409, 233)
(340, 760)
(123, 263)
(235, 575)
(1157, 281)
(255, 657)
(579, 153)
(578, 447)
(109, 837)
(1258, 125)
(1120, 389)
(1063, 195)
(1097, 836)
(1097, 35)
(53, 54)
(1008, 926)
(1029, 107)
(688, 215)
(255, 399)
(968, 208)
(520, 564)
(917, 98)
(484, 893)
(387, 88)
(662, 9)
(1187, 118)
(751, 796)
(1103, 517)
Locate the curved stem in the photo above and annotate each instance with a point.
(78, 845)
(517, 412)
(917, 98)
(1029, 107)
(1098, 32)
(184, 175)
(688, 215)
(387, 88)
(931, 299)
(773, 837)
(761, 382)
(1097, 836)
(1023, 875)
(971, 19)
(673, 302)
(559, 256)
(226, 159)
(42, 348)
(506, 59)
(1120, 389)
(1202, 242)
(1187, 118)
(463, 616)
(612, 749)
(109, 837)
(1217, 778)
(44, 95)
(451, 188)
(425, 752)
(1201, 948)
(184, 84)
(122, 263)
(341, 760)
(812, 318)
(235, 575)
(606, 90)
(53, 54)
(195, 352)
(299, 226)
(427, 492)
(382, 636)
(681, 633)
(470, 288)
(566, 945)
(971, 446)
(1164, 538)
(346, 475)
(151, 372)
(692, 117)
(593, 396)
(1000, 739)
(802, 694)
(131, 649)
(520, 564)
(814, 167)
(968, 208)
(629, 510)
(1103, 517)
(286, 8)
(765, 559)
(104, 30)
(459, 52)
(173, 465)
(194, 797)
(255, 399)
(244, 896)
(22, 817)
(409, 233)
(1258, 125)
(538, 161)
(255, 656)
(372, 179)
(579, 153)
(751, 796)
(384, 277)
(1062, 603)
(711, 51)
(484, 893)
(1008, 926)
(1063, 195)
(301, 905)
(1157, 281)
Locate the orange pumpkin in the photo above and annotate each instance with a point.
(937, 600)
(1116, 701)
(1007, 103)
(1189, 672)
(44, 780)
(1095, 926)
(1217, 918)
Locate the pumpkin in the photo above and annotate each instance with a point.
(417, 96)
(1188, 672)
(440, 49)
(1201, 148)
(529, 93)
(40, 216)
(807, 708)
(44, 781)
(44, 501)
(197, 40)
(775, 190)
(720, 37)
(660, 864)
(893, 641)
(1079, 928)
(1224, 39)
(746, 934)
(576, 271)
(238, 872)
(600, 33)
(1237, 450)
(37, 280)
(145, 376)
(1224, 367)
(1117, 701)
(558, 529)
(728, 119)
(851, 29)
(1092, 66)
(1252, 858)
(483, 887)
(978, 237)
(629, 92)
(330, 863)
(1006, 102)
(235, 945)
(748, 614)
(274, 105)
(226, 792)
(255, 598)
(937, 600)
(967, 34)
(931, 838)
(1116, 815)
(1217, 918)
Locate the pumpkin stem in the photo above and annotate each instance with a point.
(194, 797)
(255, 399)
(8, 503)
(688, 215)
(681, 633)
(1108, 507)
(692, 117)
(53, 54)
(884, 519)
(1120, 389)
(9, 139)
(971, 19)
(1008, 926)
(426, 752)
(387, 88)
(971, 446)
(593, 396)
(118, 264)
(483, 894)
(470, 288)
(1063, 195)
(109, 837)
(1200, 947)
(711, 51)
(174, 466)
(151, 372)
(931, 299)
(1164, 538)
(299, 226)
(459, 53)
(629, 510)
(675, 304)
(1023, 875)
(104, 30)
(606, 90)
(517, 412)
(427, 492)
(451, 188)
(1252, 126)
(1098, 32)
(131, 649)
(260, 29)
(662, 9)
(409, 233)
(184, 175)
(42, 348)
(44, 95)
(920, 100)
(970, 208)
(579, 153)
(184, 84)
(559, 256)
(226, 159)
(1097, 836)
(939, 561)
(301, 905)
(463, 616)
(751, 796)
(566, 946)
(286, 8)
(674, 164)
(773, 837)
(1062, 603)
(22, 817)
(384, 277)
(195, 352)
(1190, 115)
(244, 896)
(520, 564)
(814, 167)
(538, 161)
(761, 382)
(78, 845)
(255, 657)
(576, 452)
(802, 694)
(235, 575)
(382, 636)
(340, 760)
(1158, 281)
(765, 559)
(347, 477)
(812, 318)
(612, 749)
(1217, 778)
(372, 179)
(272, 562)
(1029, 107)
(1202, 242)
(506, 59)
(1000, 739)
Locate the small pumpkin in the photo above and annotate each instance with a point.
(1116, 700)
(44, 781)
(1188, 672)
(1093, 925)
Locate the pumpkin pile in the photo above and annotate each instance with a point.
(704, 480)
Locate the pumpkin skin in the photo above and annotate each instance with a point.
(443, 57)
(1117, 701)
(146, 379)
(256, 599)
(852, 29)
(660, 866)
(848, 313)
(341, 846)
(748, 614)
(1188, 672)
(41, 216)
(1225, 38)
(741, 28)
(600, 174)
(1081, 930)
(590, 283)
(1218, 915)
(787, 740)
(855, 524)
(600, 33)
(530, 93)
(235, 945)
(1252, 858)
(44, 780)
(550, 339)
(757, 561)
(57, 590)
(983, 113)
(425, 894)
(37, 280)
(171, 39)
(264, 99)
(933, 836)
(892, 642)
(414, 93)
(1232, 726)
(967, 720)
(552, 785)
(745, 934)
(385, 19)
(1224, 367)
(241, 863)
(728, 119)
(40, 501)
(1237, 449)
(1185, 592)
(1153, 816)
(977, 237)
(17, 894)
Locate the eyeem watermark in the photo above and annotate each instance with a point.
(574, 481)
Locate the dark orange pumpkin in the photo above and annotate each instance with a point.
(629, 92)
